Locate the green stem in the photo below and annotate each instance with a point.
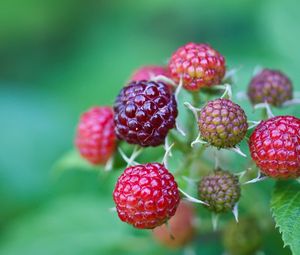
(183, 147)
(196, 99)
(264, 114)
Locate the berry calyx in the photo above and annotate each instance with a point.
(148, 72)
(199, 65)
(222, 123)
(95, 137)
(270, 86)
(180, 230)
(275, 147)
(220, 190)
(145, 111)
(146, 196)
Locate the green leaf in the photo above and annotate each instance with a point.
(72, 160)
(286, 211)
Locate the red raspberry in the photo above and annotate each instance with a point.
(275, 147)
(271, 86)
(147, 72)
(145, 111)
(95, 138)
(180, 226)
(146, 196)
(198, 64)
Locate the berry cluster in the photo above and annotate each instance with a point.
(144, 114)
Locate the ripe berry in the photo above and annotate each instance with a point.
(275, 147)
(244, 238)
(145, 111)
(198, 64)
(222, 123)
(146, 196)
(270, 86)
(180, 230)
(220, 190)
(148, 72)
(95, 138)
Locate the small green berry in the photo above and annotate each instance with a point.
(222, 123)
(220, 190)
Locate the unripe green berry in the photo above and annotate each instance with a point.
(220, 190)
(242, 238)
(222, 123)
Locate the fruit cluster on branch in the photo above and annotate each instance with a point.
(145, 112)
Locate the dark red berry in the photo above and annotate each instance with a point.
(145, 111)
(95, 138)
(199, 65)
(146, 196)
(270, 86)
(220, 190)
(180, 230)
(148, 72)
(275, 147)
(222, 123)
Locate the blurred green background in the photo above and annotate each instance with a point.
(59, 57)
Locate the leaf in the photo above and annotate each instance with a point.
(286, 211)
(77, 225)
(72, 160)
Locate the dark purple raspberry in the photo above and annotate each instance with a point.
(270, 86)
(222, 123)
(145, 111)
(220, 190)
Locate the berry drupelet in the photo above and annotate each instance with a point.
(222, 123)
(275, 147)
(199, 65)
(145, 111)
(270, 86)
(146, 196)
(95, 138)
(220, 190)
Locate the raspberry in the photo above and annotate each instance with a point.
(220, 190)
(145, 111)
(270, 86)
(95, 138)
(147, 72)
(222, 123)
(180, 227)
(244, 238)
(146, 196)
(275, 147)
(198, 64)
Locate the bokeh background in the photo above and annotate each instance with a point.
(59, 57)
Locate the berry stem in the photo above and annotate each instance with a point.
(196, 99)
(183, 147)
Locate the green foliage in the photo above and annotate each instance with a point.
(286, 210)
